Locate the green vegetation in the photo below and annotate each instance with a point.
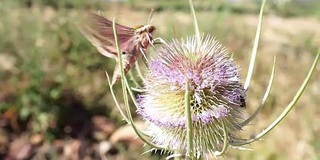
(52, 78)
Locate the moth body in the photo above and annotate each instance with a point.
(132, 41)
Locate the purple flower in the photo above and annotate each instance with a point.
(216, 95)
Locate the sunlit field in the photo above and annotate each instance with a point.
(54, 96)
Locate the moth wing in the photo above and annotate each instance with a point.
(104, 27)
(103, 45)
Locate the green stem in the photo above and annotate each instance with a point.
(287, 109)
(134, 79)
(116, 101)
(195, 22)
(139, 71)
(265, 97)
(255, 48)
(225, 140)
(190, 152)
(125, 85)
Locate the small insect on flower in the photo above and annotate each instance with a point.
(133, 41)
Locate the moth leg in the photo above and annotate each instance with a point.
(158, 41)
(143, 54)
(151, 41)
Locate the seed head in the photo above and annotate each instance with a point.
(216, 94)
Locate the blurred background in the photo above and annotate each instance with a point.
(54, 97)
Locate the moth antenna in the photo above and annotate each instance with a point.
(150, 16)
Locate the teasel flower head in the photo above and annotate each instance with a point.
(217, 96)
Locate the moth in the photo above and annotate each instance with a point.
(132, 41)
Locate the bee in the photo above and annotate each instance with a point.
(243, 102)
